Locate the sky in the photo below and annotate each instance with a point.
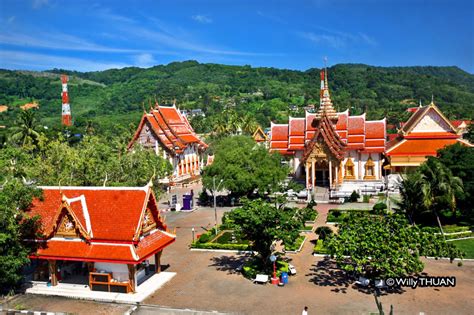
(97, 35)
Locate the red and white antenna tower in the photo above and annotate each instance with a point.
(66, 108)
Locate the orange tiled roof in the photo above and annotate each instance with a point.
(418, 147)
(29, 105)
(111, 218)
(3, 108)
(170, 127)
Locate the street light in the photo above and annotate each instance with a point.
(214, 189)
(192, 230)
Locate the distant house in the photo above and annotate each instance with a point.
(197, 112)
(3, 108)
(30, 105)
(169, 133)
(259, 136)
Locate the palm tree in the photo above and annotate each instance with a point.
(439, 187)
(24, 133)
(411, 202)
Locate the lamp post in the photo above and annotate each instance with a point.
(192, 230)
(214, 189)
(274, 277)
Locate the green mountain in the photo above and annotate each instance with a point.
(119, 96)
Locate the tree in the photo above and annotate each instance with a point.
(411, 198)
(385, 246)
(460, 161)
(25, 131)
(439, 187)
(263, 225)
(15, 227)
(244, 167)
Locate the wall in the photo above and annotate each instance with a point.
(119, 271)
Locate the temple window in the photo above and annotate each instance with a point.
(369, 169)
(349, 169)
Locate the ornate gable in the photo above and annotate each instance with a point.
(432, 121)
(68, 225)
(148, 222)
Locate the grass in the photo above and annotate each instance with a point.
(319, 248)
(467, 246)
(307, 228)
(226, 238)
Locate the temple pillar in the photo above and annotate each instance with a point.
(158, 261)
(131, 276)
(359, 166)
(307, 175)
(313, 174)
(330, 173)
(52, 272)
(339, 173)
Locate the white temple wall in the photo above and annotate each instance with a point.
(119, 271)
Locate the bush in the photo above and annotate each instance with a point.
(319, 248)
(366, 198)
(309, 214)
(311, 204)
(379, 208)
(204, 199)
(354, 196)
(204, 238)
(221, 246)
(296, 245)
(323, 232)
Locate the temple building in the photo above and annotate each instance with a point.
(425, 132)
(333, 149)
(168, 132)
(103, 237)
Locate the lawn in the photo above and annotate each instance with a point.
(467, 246)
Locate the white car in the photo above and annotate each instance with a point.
(292, 269)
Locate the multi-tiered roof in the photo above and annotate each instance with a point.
(354, 131)
(171, 128)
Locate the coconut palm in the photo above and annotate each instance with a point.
(439, 187)
(411, 201)
(25, 131)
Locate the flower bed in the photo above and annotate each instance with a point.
(222, 241)
(296, 245)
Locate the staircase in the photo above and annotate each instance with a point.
(321, 194)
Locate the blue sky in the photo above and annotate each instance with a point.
(97, 35)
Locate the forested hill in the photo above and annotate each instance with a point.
(118, 96)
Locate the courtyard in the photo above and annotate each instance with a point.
(208, 281)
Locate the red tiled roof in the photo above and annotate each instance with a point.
(418, 147)
(111, 216)
(171, 128)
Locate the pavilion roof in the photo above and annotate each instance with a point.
(107, 224)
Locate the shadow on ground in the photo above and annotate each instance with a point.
(231, 264)
(326, 273)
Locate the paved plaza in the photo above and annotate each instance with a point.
(207, 281)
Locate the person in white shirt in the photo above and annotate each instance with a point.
(305, 311)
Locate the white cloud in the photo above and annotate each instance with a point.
(11, 19)
(57, 41)
(202, 19)
(144, 60)
(11, 59)
(367, 39)
(38, 4)
(331, 40)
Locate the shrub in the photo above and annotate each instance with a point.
(309, 214)
(221, 246)
(204, 238)
(319, 248)
(379, 208)
(354, 196)
(311, 204)
(366, 198)
(323, 232)
(296, 245)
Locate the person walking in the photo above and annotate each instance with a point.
(305, 311)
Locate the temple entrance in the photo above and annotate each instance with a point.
(322, 177)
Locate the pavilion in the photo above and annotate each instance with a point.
(103, 237)
(425, 132)
(168, 132)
